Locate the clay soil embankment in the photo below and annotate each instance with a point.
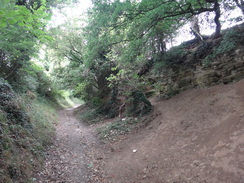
(195, 137)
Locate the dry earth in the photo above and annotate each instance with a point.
(194, 137)
(71, 158)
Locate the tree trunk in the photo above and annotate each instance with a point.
(195, 28)
(216, 19)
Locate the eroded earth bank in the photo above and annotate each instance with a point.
(194, 137)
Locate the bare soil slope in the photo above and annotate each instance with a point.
(195, 137)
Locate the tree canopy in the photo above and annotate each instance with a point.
(107, 48)
(23, 31)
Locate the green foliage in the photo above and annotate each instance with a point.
(42, 114)
(176, 55)
(131, 29)
(22, 146)
(202, 51)
(124, 77)
(86, 82)
(115, 128)
(25, 118)
(140, 105)
(232, 38)
(11, 108)
(106, 53)
(24, 18)
(89, 116)
(88, 93)
(159, 67)
(84, 90)
(22, 31)
(27, 83)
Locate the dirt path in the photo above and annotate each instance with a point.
(71, 158)
(194, 137)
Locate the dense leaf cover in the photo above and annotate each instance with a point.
(110, 49)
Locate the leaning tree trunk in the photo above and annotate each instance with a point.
(196, 29)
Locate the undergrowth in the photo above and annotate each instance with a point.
(89, 116)
(21, 148)
(174, 56)
(232, 38)
(118, 127)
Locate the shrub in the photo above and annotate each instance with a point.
(87, 92)
(176, 55)
(139, 104)
(232, 38)
(117, 127)
(202, 51)
(89, 116)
